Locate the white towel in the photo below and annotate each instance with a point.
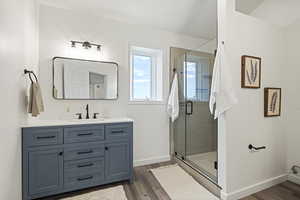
(173, 101)
(222, 96)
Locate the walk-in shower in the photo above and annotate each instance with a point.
(194, 133)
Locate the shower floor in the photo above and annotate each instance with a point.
(205, 162)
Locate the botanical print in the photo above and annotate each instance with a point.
(251, 72)
(272, 102)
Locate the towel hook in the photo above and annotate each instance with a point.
(29, 74)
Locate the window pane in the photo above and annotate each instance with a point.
(141, 77)
(198, 80)
(191, 79)
(204, 81)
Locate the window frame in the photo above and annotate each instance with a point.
(154, 54)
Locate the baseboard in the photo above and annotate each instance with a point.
(150, 161)
(244, 192)
(294, 178)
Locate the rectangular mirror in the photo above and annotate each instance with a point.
(84, 79)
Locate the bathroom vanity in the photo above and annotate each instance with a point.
(60, 157)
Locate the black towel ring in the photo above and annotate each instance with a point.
(29, 74)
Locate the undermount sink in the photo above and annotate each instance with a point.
(89, 120)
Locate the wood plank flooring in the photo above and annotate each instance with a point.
(146, 187)
(283, 191)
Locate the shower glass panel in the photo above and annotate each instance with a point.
(178, 60)
(195, 131)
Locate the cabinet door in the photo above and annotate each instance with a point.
(45, 171)
(117, 161)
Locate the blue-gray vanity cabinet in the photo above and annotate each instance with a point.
(45, 171)
(84, 173)
(62, 159)
(117, 132)
(84, 134)
(117, 165)
(85, 150)
(42, 136)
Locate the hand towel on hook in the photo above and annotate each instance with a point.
(36, 105)
(173, 101)
(222, 96)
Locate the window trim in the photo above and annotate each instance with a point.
(156, 98)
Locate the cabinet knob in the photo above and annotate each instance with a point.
(60, 153)
(106, 148)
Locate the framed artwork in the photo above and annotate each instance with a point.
(251, 72)
(272, 102)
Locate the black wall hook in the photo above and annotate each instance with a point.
(251, 147)
(29, 74)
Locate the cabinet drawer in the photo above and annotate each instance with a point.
(115, 132)
(84, 166)
(83, 181)
(84, 151)
(83, 134)
(42, 136)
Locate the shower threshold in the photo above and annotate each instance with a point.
(199, 176)
(205, 163)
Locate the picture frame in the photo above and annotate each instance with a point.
(251, 72)
(272, 102)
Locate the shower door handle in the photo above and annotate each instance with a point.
(189, 107)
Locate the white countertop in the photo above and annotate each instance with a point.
(41, 123)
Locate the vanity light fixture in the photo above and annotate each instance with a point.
(85, 44)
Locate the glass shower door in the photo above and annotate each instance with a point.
(195, 130)
(201, 128)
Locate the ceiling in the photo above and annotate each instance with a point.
(279, 12)
(197, 18)
(247, 6)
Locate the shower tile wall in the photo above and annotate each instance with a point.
(201, 139)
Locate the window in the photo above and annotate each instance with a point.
(191, 80)
(146, 74)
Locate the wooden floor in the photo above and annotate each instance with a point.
(146, 187)
(283, 191)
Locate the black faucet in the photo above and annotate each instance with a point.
(87, 112)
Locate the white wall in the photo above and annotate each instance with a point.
(245, 124)
(286, 14)
(18, 42)
(292, 88)
(58, 27)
